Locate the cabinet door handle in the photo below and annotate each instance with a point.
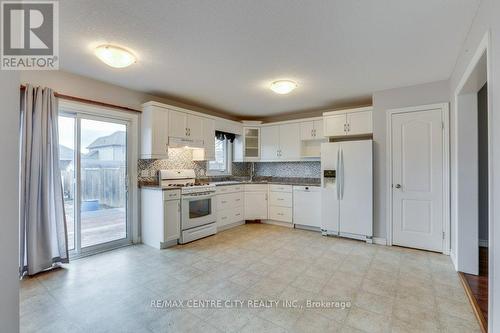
(281, 199)
(345, 127)
(349, 127)
(223, 202)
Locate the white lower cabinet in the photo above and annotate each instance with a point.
(282, 214)
(229, 205)
(255, 202)
(281, 203)
(160, 217)
(287, 204)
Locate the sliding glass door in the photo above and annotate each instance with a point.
(94, 171)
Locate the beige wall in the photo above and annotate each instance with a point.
(84, 87)
(486, 20)
(429, 93)
(9, 235)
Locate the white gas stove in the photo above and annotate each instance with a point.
(197, 206)
(185, 179)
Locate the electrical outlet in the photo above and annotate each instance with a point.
(145, 173)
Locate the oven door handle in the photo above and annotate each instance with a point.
(198, 197)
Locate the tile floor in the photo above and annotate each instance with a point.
(390, 289)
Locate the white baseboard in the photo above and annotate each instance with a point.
(483, 243)
(454, 260)
(379, 241)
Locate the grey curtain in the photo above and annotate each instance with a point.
(43, 234)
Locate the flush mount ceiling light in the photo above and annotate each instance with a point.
(115, 56)
(283, 87)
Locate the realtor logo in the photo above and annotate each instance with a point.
(30, 35)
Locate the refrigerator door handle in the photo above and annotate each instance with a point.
(337, 182)
(341, 173)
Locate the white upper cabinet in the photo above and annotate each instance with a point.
(280, 142)
(177, 124)
(307, 130)
(359, 123)
(228, 126)
(348, 122)
(318, 130)
(311, 130)
(335, 125)
(154, 136)
(289, 141)
(195, 127)
(208, 152)
(270, 136)
(184, 125)
(161, 122)
(247, 147)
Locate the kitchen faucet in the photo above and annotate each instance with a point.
(252, 171)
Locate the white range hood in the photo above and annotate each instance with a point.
(174, 142)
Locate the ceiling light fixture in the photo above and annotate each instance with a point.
(115, 56)
(283, 87)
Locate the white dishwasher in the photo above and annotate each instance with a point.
(307, 206)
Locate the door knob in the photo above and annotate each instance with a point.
(398, 185)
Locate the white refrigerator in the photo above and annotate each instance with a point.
(347, 189)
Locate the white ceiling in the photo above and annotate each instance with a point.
(223, 54)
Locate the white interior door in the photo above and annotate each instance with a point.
(417, 179)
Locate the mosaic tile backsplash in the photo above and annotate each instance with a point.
(309, 169)
(183, 159)
(178, 158)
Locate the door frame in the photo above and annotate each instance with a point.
(445, 117)
(131, 119)
(483, 49)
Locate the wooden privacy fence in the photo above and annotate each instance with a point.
(103, 183)
(106, 184)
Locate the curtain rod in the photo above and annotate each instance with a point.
(88, 101)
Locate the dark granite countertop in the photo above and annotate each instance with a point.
(293, 183)
(228, 181)
(158, 187)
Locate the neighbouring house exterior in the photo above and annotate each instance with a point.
(108, 148)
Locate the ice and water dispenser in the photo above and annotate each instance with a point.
(329, 178)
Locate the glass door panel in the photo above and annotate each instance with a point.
(103, 182)
(67, 167)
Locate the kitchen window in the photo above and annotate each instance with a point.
(222, 163)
